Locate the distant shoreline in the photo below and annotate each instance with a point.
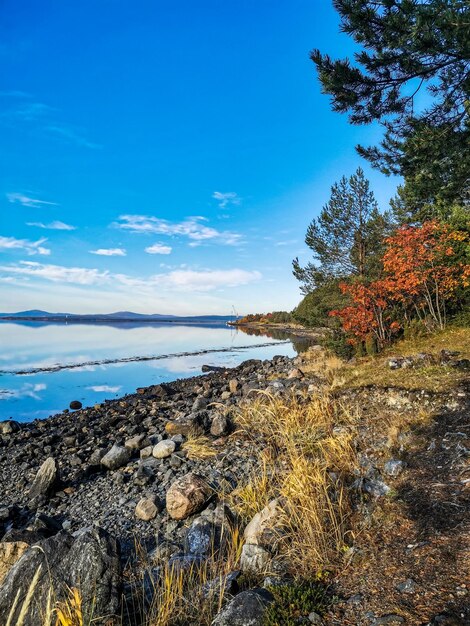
(107, 320)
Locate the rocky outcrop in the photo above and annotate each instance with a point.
(87, 561)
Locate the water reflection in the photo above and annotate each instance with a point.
(300, 344)
(99, 360)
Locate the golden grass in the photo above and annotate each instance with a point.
(308, 461)
(437, 378)
(193, 595)
(322, 363)
(199, 448)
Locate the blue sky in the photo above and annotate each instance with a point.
(165, 157)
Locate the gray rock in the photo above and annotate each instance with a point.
(376, 488)
(137, 442)
(408, 586)
(245, 609)
(199, 404)
(254, 558)
(75, 405)
(314, 618)
(394, 467)
(88, 561)
(147, 509)
(116, 457)
(220, 425)
(46, 479)
(164, 448)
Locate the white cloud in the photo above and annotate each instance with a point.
(109, 252)
(288, 242)
(19, 198)
(55, 225)
(191, 228)
(30, 247)
(205, 280)
(104, 388)
(174, 280)
(58, 273)
(224, 199)
(158, 248)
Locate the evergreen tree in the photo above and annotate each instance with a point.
(408, 46)
(346, 239)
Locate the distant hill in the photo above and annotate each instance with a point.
(122, 316)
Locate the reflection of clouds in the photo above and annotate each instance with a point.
(105, 388)
(26, 391)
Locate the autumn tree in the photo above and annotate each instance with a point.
(409, 47)
(428, 264)
(424, 266)
(346, 238)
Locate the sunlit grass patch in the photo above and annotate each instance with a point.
(307, 448)
(199, 448)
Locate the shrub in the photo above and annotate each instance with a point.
(292, 602)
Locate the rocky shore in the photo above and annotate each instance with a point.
(95, 488)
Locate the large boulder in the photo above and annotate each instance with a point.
(186, 496)
(46, 479)
(245, 609)
(88, 561)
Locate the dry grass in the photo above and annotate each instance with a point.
(192, 595)
(309, 444)
(435, 378)
(322, 363)
(199, 448)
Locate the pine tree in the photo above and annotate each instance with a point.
(346, 238)
(409, 46)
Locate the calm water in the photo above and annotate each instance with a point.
(46, 366)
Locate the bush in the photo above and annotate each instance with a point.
(414, 329)
(292, 602)
(338, 344)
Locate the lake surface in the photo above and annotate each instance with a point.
(43, 367)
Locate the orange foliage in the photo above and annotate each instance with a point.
(423, 268)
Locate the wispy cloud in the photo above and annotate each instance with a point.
(22, 109)
(58, 273)
(226, 198)
(158, 248)
(288, 242)
(109, 252)
(72, 135)
(30, 247)
(20, 198)
(55, 225)
(185, 280)
(191, 227)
